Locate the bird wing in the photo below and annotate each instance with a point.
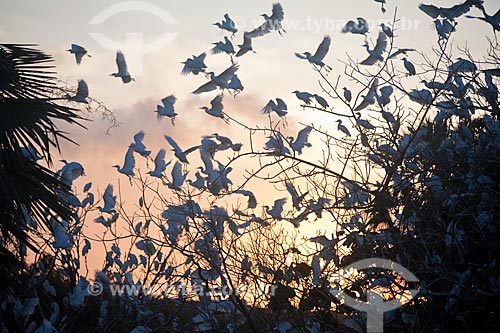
(190, 150)
(78, 57)
(139, 137)
(83, 89)
(281, 104)
(371, 60)
(323, 48)
(260, 31)
(177, 173)
(129, 163)
(386, 91)
(278, 12)
(77, 48)
(209, 86)
(160, 157)
(381, 43)
(457, 10)
(430, 10)
(174, 144)
(229, 21)
(169, 100)
(217, 102)
(228, 73)
(120, 62)
(348, 27)
(400, 51)
(300, 55)
(270, 106)
(303, 136)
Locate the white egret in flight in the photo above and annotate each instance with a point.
(246, 46)
(82, 93)
(178, 177)
(181, 155)
(226, 46)
(160, 164)
(79, 52)
(273, 22)
(277, 209)
(494, 20)
(138, 145)
(227, 24)
(216, 107)
(109, 200)
(218, 81)
(122, 68)
(359, 28)
(279, 107)
(128, 164)
(70, 172)
(377, 51)
(196, 65)
(319, 55)
(167, 110)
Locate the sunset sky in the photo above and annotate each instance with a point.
(272, 72)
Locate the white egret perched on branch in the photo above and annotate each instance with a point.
(409, 67)
(138, 145)
(301, 141)
(273, 22)
(360, 27)
(167, 110)
(319, 55)
(342, 128)
(303, 96)
(387, 31)
(321, 101)
(377, 51)
(218, 81)
(279, 107)
(227, 24)
(82, 93)
(363, 122)
(128, 165)
(347, 94)
(79, 52)
(196, 65)
(122, 68)
(181, 155)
